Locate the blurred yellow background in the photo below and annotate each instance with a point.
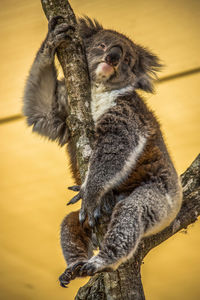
(35, 173)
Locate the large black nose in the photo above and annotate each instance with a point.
(113, 56)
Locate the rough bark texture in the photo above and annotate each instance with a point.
(125, 283)
(71, 56)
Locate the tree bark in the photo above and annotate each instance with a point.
(72, 58)
(125, 283)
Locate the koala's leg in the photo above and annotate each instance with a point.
(45, 98)
(146, 211)
(77, 247)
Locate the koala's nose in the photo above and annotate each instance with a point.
(113, 56)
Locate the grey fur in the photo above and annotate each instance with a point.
(130, 172)
(45, 97)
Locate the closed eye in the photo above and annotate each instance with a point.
(127, 60)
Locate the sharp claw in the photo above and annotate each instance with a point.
(65, 278)
(82, 217)
(74, 199)
(64, 285)
(75, 188)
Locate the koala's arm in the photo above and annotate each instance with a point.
(45, 97)
(121, 140)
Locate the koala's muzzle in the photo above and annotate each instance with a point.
(113, 56)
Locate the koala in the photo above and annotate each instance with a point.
(130, 174)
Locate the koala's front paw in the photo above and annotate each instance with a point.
(94, 210)
(77, 197)
(58, 33)
(89, 211)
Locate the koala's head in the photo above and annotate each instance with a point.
(116, 61)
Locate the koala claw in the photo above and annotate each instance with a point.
(74, 199)
(70, 273)
(65, 278)
(93, 214)
(58, 32)
(75, 188)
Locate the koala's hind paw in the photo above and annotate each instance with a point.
(89, 269)
(65, 278)
(76, 268)
(70, 274)
(93, 266)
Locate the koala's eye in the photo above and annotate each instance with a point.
(127, 60)
(102, 46)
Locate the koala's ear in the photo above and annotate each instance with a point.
(88, 27)
(145, 68)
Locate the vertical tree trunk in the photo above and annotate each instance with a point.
(72, 58)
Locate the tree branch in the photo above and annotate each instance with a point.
(190, 209)
(125, 282)
(72, 58)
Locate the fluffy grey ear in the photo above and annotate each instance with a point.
(145, 68)
(88, 27)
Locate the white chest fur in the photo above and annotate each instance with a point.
(102, 101)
